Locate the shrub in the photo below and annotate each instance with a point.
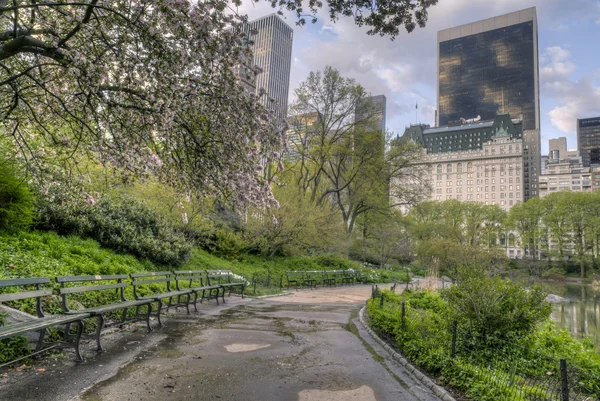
(335, 262)
(16, 201)
(124, 225)
(494, 309)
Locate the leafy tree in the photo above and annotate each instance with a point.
(342, 160)
(297, 226)
(385, 237)
(147, 85)
(16, 200)
(555, 219)
(525, 218)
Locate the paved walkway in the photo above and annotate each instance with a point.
(306, 346)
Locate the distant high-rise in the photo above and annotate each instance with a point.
(490, 67)
(272, 47)
(588, 140)
(372, 109)
(558, 148)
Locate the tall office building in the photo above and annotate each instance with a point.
(557, 148)
(272, 47)
(489, 67)
(588, 140)
(374, 109)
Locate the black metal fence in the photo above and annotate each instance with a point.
(514, 372)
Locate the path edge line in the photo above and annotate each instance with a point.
(426, 381)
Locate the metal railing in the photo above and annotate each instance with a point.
(511, 371)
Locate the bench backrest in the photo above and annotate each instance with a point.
(188, 279)
(294, 275)
(219, 277)
(82, 284)
(153, 279)
(15, 284)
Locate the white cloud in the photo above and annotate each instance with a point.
(576, 98)
(558, 66)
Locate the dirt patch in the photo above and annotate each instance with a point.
(245, 347)
(363, 393)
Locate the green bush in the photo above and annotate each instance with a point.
(335, 262)
(494, 309)
(124, 225)
(16, 201)
(483, 371)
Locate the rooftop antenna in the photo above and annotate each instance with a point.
(417, 112)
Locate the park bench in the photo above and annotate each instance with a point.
(194, 281)
(156, 286)
(43, 322)
(328, 278)
(359, 276)
(101, 287)
(224, 278)
(300, 278)
(339, 276)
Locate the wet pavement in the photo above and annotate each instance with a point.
(306, 346)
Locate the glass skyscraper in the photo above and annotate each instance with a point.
(272, 47)
(588, 140)
(490, 67)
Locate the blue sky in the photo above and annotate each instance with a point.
(404, 70)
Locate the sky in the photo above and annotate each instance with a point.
(404, 70)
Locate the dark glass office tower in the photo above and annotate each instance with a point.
(588, 140)
(490, 67)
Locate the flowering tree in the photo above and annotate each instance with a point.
(381, 17)
(144, 85)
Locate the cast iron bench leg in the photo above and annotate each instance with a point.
(196, 301)
(187, 305)
(98, 331)
(78, 356)
(148, 317)
(40, 342)
(158, 314)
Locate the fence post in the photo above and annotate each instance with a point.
(403, 315)
(454, 330)
(372, 292)
(564, 390)
(381, 300)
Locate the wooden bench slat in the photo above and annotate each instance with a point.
(14, 296)
(110, 307)
(189, 272)
(87, 288)
(151, 274)
(23, 281)
(146, 282)
(72, 279)
(38, 324)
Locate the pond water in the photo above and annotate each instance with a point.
(580, 313)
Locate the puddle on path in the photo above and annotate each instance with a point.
(363, 393)
(245, 347)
